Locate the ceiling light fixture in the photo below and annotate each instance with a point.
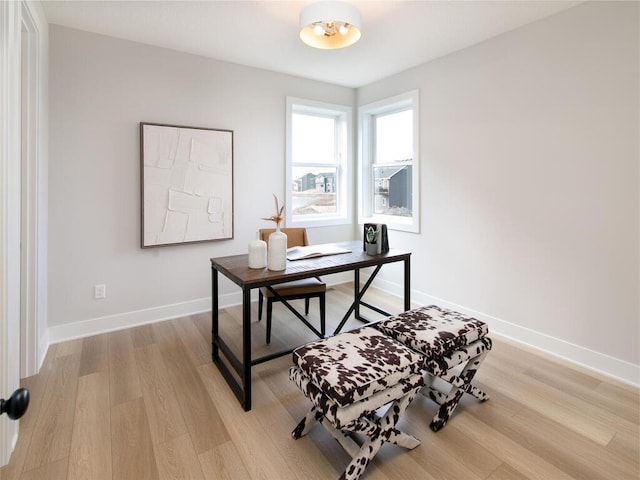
(330, 25)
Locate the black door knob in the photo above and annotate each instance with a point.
(16, 404)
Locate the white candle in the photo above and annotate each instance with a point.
(257, 254)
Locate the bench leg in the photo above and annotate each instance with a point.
(460, 384)
(377, 429)
(306, 423)
(380, 430)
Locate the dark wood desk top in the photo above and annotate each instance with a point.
(235, 267)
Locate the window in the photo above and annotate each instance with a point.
(318, 163)
(389, 166)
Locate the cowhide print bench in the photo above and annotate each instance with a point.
(348, 378)
(453, 346)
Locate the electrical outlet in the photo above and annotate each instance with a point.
(100, 291)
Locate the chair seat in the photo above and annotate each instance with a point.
(356, 364)
(297, 287)
(433, 331)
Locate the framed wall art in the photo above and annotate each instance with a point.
(186, 184)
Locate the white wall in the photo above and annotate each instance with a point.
(530, 216)
(100, 89)
(529, 150)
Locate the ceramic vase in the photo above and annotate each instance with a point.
(257, 254)
(277, 251)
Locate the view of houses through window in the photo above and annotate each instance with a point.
(388, 187)
(317, 162)
(392, 190)
(314, 191)
(392, 169)
(313, 147)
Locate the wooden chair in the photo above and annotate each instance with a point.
(299, 289)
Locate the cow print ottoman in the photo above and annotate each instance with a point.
(447, 340)
(348, 378)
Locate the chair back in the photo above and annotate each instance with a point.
(296, 236)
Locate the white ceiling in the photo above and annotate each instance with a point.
(396, 35)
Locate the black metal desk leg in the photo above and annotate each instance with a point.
(407, 284)
(214, 314)
(246, 348)
(356, 292)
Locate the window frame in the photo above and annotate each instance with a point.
(343, 164)
(366, 161)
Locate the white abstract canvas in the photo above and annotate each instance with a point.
(187, 184)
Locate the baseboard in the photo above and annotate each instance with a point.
(110, 323)
(43, 346)
(604, 364)
(621, 370)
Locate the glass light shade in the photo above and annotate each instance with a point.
(334, 18)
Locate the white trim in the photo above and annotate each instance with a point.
(10, 32)
(120, 321)
(601, 363)
(110, 323)
(33, 312)
(584, 357)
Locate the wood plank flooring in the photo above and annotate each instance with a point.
(147, 403)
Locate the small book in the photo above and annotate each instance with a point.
(311, 251)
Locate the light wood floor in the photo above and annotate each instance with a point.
(148, 403)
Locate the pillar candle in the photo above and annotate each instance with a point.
(257, 254)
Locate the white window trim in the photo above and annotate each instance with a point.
(366, 113)
(345, 174)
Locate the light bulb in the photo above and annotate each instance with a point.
(329, 28)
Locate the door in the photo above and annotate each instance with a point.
(21, 356)
(10, 30)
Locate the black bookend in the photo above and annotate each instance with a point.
(376, 233)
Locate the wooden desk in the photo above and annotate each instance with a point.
(236, 269)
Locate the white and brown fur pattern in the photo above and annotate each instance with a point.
(356, 364)
(447, 339)
(348, 377)
(433, 330)
(360, 372)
